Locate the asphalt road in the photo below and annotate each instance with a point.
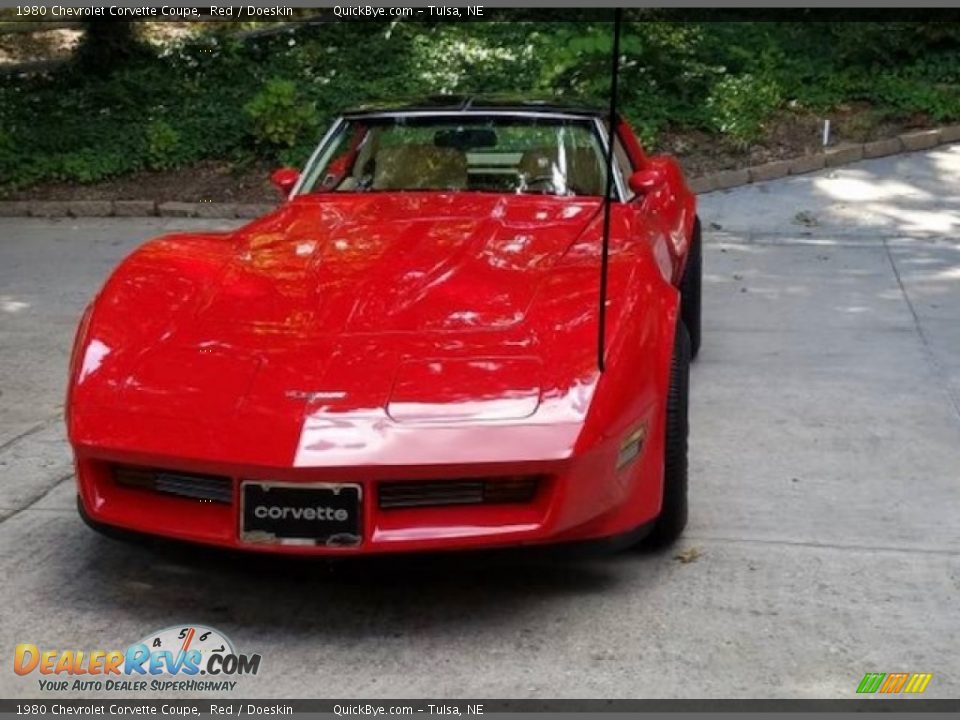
(825, 488)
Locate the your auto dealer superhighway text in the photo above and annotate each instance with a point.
(233, 11)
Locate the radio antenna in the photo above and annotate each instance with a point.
(611, 137)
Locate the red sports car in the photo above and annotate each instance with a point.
(411, 352)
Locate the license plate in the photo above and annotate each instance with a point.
(298, 514)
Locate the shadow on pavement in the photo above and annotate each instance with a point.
(359, 598)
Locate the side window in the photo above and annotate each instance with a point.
(624, 166)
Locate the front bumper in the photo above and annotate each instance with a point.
(576, 500)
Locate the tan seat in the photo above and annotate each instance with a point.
(537, 163)
(420, 167)
(585, 174)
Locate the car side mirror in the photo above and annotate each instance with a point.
(285, 178)
(645, 181)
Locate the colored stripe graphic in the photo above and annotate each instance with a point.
(918, 682)
(894, 683)
(871, 682)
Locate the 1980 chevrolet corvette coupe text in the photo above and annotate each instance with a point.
(404, 355)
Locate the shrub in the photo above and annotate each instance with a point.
(234, 99)
(162, 145)
(91, 165)
(279, 116)
(739, 105)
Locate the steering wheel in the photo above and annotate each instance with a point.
(545, 181)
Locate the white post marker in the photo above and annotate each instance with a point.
(826, 133)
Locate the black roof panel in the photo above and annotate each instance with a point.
(458, 103)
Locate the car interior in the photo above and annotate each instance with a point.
(465, 159)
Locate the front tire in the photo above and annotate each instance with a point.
(672, 520)
(691, 291)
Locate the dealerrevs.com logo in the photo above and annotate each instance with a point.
(179, 658)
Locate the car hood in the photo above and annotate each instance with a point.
(394, 262)
(324, 332)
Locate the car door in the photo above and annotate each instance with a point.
(662, 206)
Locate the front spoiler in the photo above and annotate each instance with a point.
(566, 549)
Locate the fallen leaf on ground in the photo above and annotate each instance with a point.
(689, 555)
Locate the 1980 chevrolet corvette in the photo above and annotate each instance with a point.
(404, 355)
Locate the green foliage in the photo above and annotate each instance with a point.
(738, 105)
(888, 43)
(214, 96)
(279, 116)
(90, 165)
(163, 143)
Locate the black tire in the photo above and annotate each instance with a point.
(673, 514)
(690, 290)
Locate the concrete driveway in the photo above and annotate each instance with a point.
(825, 532)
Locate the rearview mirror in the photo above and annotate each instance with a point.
(643, 182)
(465, 138)
(285, 178)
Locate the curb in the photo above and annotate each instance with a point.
(131, 208)
(721, 180)
(830, 158)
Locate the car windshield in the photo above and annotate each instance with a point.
(518, 155)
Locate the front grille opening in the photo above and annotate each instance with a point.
(438, 493)
(210, 488)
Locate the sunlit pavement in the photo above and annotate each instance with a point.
(825, 533)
